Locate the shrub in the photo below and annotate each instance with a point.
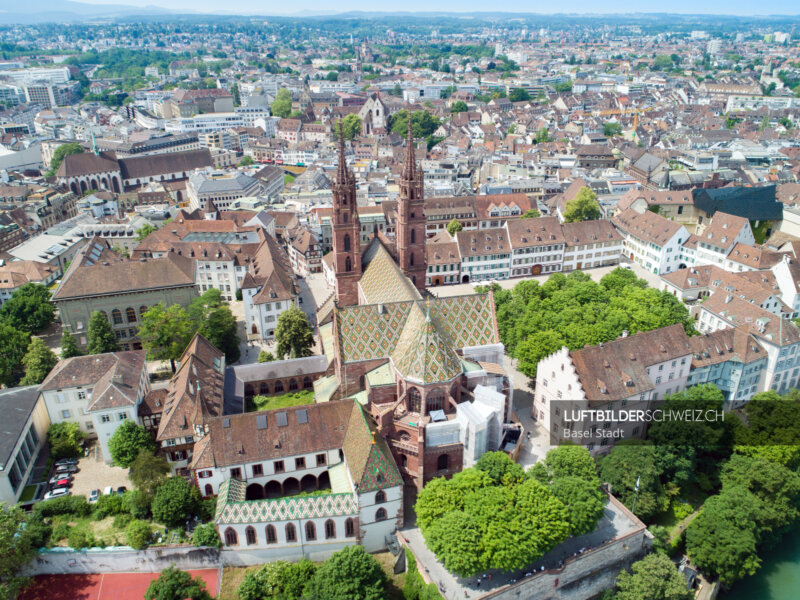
(121, 521)
(66, 505)
(38, 531)
(65, 440)
(77, 538)
(681, 509)
(138, 503)
(60, 532)
(206, 535)
(206, 509)
(110, 505)
(138, 534)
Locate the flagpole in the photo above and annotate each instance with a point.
(635, 494)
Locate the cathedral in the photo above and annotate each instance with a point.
(428, 370)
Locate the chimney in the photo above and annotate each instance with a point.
(116, 379)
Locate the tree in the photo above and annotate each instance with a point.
(237, 100)
(500, 468)
(213, 319)
(293, 334)
(247, 161)
(16, 549)
(138, 534)
(567, 460)
(351, 127)
(631, 463)
(519, 95)
(459, 106)
(454, 226)
(611, 129)
(128, 441)
(542, 136)
(282, 105)
(174, 584)
(280, 580)
(29, 309)
(165, 333)
(423, 123)
(206, 535)
(38, 361)
(531, 214)
(174, 502)
(101, 336)
(584, 501)
(144, 231)
(662, 61)
(583, 207)
(58, 156)
(655, 576)
(121, 250)
(65, 440)
(13, 344)
(348, 574)
(148, 471)
(69, 347)
(264, 356)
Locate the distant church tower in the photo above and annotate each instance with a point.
(346, 231)
(410, 235)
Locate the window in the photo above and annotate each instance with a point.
(116, 316)
(130, 314)
(122, 416)
(349, 528)
(443, 462)
(209, 490)
(380, 515)
(236, 473)
(204, 474)
(142, 310)
(250, 534)
(292, 384)
(311, 531)
(81, 396)
(347, 243)
(380, 497)
(258, 470)
(279, 466)
(321, 460)
(300, 463)
(414, 400)
(330, 529)
(231, 539)
(291, 533)
(272, 536)
(65, 414)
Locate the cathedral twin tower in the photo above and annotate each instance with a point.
(409, 242)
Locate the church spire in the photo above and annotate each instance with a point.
(94, 145)
(410, 165)
(341, 172)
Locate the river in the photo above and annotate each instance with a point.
(779, 576)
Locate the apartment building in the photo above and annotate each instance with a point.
(485, 254)
(651, 240)
(589, 244)
(538, 246)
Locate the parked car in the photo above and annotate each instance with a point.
(108, 490)
(121, 490)
(66, 461)
(94, 496)
(67, 469)
(57, 493)
(56, 478)
(61, 483)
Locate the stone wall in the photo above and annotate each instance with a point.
(122, 560)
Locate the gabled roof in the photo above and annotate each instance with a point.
(752, 203)
(368, 456)
(647, 226)
(382, 280)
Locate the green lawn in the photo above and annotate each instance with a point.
(27, 493)
(282, 401)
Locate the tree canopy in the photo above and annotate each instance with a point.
(611, 129)
(144, 231)
(655, 576)
(213, 319)
(69, 347)
(282, 105)
(583, 207)
(279, 580)
(127, 441)
(38, 361)
(29, 309)
(348, 574)
(101, 336)
(13, 345)
(148, 471)
(351, 127)
(494, 516)
(423, 123)
(454, 226)
(519, 95)
(459, 106)
(293, 334)
(174, 584)
(59, 154)
(531, 214)
(165, 332)
(65, 440)
(16, 549)
(536, 319)
(629, 462)
(175, 501)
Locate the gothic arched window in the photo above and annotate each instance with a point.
(413, 236)
(348, 264)
(347, 242)
(414, 400)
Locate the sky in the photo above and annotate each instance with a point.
(298, 7)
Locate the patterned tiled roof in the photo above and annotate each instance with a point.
(368, 457)
(233, 508)
(372, 331)
(383, 281)
(422, 352)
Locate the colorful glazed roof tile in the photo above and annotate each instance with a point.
(382, 280)
(372, 331)
(232, 507)
(368, 456)
(423, 353)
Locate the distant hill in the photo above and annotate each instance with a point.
(48, 11)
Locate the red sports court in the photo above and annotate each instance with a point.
(102, 586)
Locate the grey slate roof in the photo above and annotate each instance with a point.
(16, 404)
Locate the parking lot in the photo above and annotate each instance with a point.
(94, 474)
